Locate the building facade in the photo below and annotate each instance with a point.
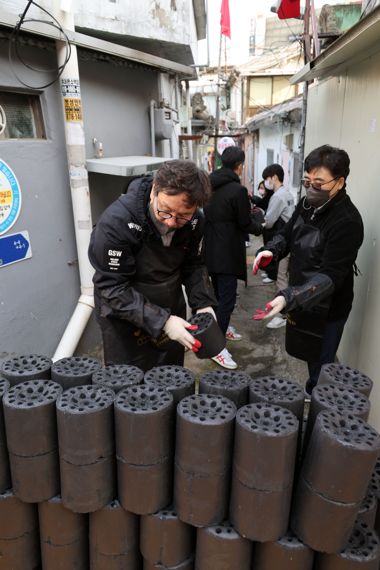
(343, 111)
(119, 88)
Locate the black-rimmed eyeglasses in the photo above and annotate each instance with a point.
(164, 215)
(306, 183)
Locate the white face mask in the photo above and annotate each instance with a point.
(268, 184)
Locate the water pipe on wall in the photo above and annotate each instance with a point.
(80, 194)
(152, 106)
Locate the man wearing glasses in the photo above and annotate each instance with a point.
(144, 247)
(323, 238)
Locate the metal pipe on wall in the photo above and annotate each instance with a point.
(307, 58)
(189, 127)
(208, 34)
(152, 105)
(177, 126)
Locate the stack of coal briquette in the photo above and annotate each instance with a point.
(108, 468)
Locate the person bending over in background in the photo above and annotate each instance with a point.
(228, 219)
(323, 238)
(144, 247)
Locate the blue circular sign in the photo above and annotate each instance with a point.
(10, 197)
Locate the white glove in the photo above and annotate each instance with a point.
(177, 329)
(271, 309)
(207, 310)
(262, 260)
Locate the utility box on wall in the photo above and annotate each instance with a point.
(163, 123)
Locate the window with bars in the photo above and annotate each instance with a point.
(23, 114)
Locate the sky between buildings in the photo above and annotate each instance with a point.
(244, 14)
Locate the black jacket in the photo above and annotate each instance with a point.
(228, 220)
(122, 231)
(262, 202)
(323, 245)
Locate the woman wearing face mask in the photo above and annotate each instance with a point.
(323, 238)
(261, 199)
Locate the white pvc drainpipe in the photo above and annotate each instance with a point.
(80, 194)
(75, 328)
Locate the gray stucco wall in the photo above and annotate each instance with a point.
(37, 295)
(116, 112)
(344, 111)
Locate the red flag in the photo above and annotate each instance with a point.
(225, 24)
(289, 9)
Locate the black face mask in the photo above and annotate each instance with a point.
(316, 198)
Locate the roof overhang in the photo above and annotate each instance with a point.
(358, 43)
(171, 51)
(277, 112)
(84, 41)
(270, 73)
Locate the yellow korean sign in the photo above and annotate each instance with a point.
(73, 109)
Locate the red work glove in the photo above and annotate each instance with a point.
(178, 329)
(262, 260)
(262, 313)
(271, 309)
(197, 343)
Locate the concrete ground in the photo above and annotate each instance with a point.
(261, 352)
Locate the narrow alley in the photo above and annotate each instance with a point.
(261, 352)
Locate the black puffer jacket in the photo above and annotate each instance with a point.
(228, 219)
(323, 245)
(122, 279)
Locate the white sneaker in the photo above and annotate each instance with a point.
(264, 274)
(267, 280)
(276, 323)
(231, 334)
(224, 359)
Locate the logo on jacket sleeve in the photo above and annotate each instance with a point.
(115, 258)
(114, 253)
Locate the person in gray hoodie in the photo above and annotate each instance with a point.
(280, 209)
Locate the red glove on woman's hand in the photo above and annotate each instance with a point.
(262, 260)
(271, 309)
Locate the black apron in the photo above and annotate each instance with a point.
(304, 334)
(158, 278)
(305, 328)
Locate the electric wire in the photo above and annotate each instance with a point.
(14, 42)
(250, 99)
(295, 35)
(370, 6)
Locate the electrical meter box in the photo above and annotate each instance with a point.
(163, 123)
